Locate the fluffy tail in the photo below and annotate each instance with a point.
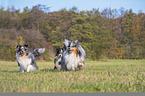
(82, 53)
(38, 51)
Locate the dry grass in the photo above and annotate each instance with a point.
(98, 76)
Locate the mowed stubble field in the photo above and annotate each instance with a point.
(98, 76)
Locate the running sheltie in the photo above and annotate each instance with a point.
(73, 57)
(26, 58)
(57, 59)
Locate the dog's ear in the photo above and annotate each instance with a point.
(18, 46)
(66, 42)
(57, 50)
(76, 42)
(26, 45)
(64, 47)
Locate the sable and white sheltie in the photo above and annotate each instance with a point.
(57, 58)
(26, 58)
(73, 57)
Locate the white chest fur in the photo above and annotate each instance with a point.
(24, 61)
(71, 61)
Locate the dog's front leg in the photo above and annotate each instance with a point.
(73, 67)
(63, 67)
(21, 69)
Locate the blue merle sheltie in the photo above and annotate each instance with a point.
(26, 58)
(73, 57)
(57, 58)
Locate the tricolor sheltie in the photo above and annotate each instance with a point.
(57, 59)
(26, 58)
(73, 57)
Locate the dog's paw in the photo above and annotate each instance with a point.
(80, 66)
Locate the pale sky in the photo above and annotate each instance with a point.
(56, 5)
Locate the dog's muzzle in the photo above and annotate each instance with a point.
(69, 50)
(22, 53)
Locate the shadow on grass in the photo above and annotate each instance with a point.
(9, 71)
(52, 70)
(49, 70)
(42, 70)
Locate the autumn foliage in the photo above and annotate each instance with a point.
(109, 33)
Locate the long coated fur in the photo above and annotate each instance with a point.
(26, 58)
(73, 57)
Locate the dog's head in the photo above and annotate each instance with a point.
(22, 50)
(59, 51)
(71, 46)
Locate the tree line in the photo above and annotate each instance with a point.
(110, 33)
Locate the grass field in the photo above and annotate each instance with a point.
(98, 76)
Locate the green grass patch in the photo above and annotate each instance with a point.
(97, 76)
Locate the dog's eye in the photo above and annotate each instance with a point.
(73, 45)
(25, 49)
